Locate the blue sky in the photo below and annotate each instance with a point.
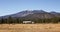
(13, 6)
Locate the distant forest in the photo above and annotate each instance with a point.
(11, 20)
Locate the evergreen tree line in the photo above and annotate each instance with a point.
(11, 20)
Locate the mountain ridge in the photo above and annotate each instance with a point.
(34, 14)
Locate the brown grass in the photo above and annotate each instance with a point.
(30, 28)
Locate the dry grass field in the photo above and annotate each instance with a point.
(30, 28)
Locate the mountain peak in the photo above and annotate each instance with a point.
(38, 11)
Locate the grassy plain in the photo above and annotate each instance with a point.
(29, 27)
